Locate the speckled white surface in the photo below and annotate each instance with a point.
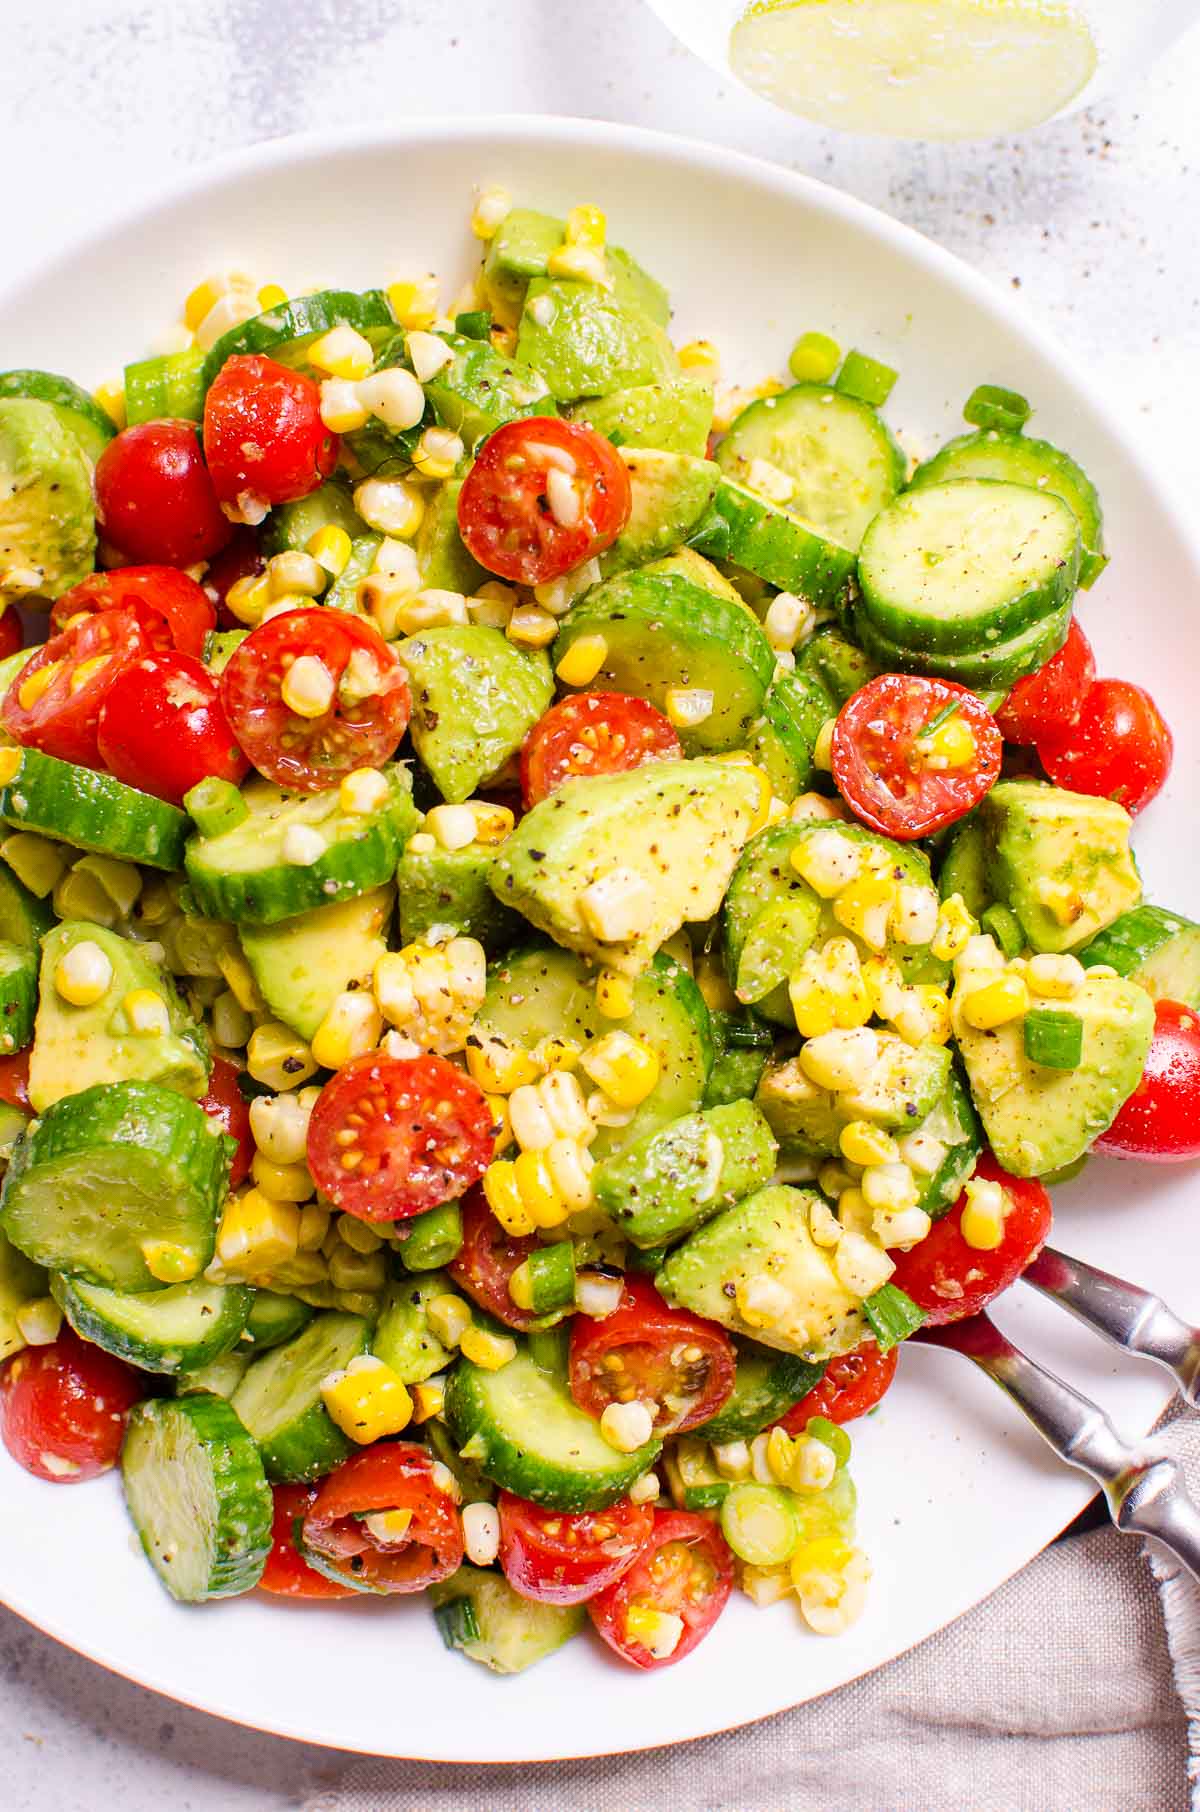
(1093, 219)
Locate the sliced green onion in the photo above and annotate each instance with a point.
(705, 1497)
(1054, 1039)
(939, 718)
(814, 358)
(475, 324)
(831, 1436)
(991, 406)
(1005, 927)
(759, 1523)
(433, 1238)
(867, 379)
(170, 385)
(893, 1316)
(457, 1623)
(215, 806)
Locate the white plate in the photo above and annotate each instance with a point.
(955, 1493)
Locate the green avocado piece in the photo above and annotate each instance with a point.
(520, 250)
(47, 516)
(1061, 861)
(905, 1085)
(1038, 1119)
(767, 1235)
(474, 698)
(451, 887)
(479, 390)
(77, 1047)
(670, 492)
(480, 1614)
(442, 557)
(301, 965)
(964, 867)
(665, 837)
(585, 341)
(403, 1338)
(672, 1181)
(839, 664)
(686, 563)
(675, 416)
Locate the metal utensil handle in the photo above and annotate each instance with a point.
(1146, 1493)
(1134, 1319)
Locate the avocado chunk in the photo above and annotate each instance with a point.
(77, 1047)
(301, 965)
(1039, 1119)
(1061, 861)
(767, 1235)
(686, 563)
(670, 492)
(585, 341)
(964, 868)
(675, 415)
(521, 250)
(452, 887)
(478, 390)
(613, 867)
(474, 698)
(442, 557)
(480, 1614)
(47, 516)
(672, 1181)
(905, 1085)
(403, 1338)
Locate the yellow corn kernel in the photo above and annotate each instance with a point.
(827, 861)
(449, 1318)
(415, 301)
(342, 353)
(368, 1401)
(83, 974)
(531, 627)
(761, 1301)
(624, 1067)
(865, 1144)
(428, 1399)
(493, 823)
(146, 1012)
(614, 995)
(271, 296)
(951, 745)
(248, 599)
(982, 1220)
(169, 1262)
(330, 548)
(818, 1560)
(812, 1004)
(37, 685)
(389, 1525)
(583, 660)
(492, 207)
(111, 398)
(198, 301)
(701, 356)
(352, 1027)
(505, 1200)
(658, 1632)
(995, 1003)
(308, 687)
(499, 1067)
(865, 907)
(538, 1191)
(39, 1321)
(491, 1351)
(923, 1016)
(586, 225)
(955, 927)
(276, 1056)
(362, 792)
(281, 1182)
(437, 453)
(840, 1060)
(239, 979)
(256, 1234)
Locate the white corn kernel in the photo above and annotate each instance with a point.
(437, 453)
(854, 1216)
(449, 1318)
(453, 826)
(481, 1533)
(562, 494)
(395, 398)
(645, 1490)
(841, 1060)
(923, 1153)
(982, 1221)
(761, 1301)
(493, 205)
(860, 1265)
(891, 1187)
(389, 505)
(429, 354)
(279, 1124)
(228, 311)
(597, 1295)
(915, 915)
(627, 1426)
(823, 1224)
(810, 807)
(687, 706)
(788, 619)
(308, 687)
(760, 1463)
(557, 595)
(902, 1228)
(732, 1459)
(83, 974)
(301, 845)
(828, 862)
(618, 906)
(231, 1024)
(1055, 977)
(363, 792)
(342, 408)
(570, 1171)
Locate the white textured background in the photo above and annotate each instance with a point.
(1094, 220)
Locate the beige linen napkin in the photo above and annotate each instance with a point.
(1063, 1692)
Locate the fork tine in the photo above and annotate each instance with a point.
(1129, 1317)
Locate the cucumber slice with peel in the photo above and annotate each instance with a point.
(279, 1399)
(997, 665)
(774, 544)
(1158, 949)
(92, 811)
(21, 1281)
(480, 1614)
(171, 384)
(286, 332)
(198, 1496)
(172, 1330)
(766, 1385)
(18, 997)
(77, 410)
(273, 1318)
(220, 1376)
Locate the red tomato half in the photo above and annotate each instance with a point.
(225, 1104)
(679, 1365)
(163, 728)
(1045, 702)
(852, 1385)
(163, 592)
(685, 1570)
(287, 1573)
(367, 715)
(80, 668)
(12, 634)
(14, 1080)
(154, 498)
(487, 1259)
(951, 1280)
(1119, 747)
(422, 1134)
(393, 1475)
(528, 525)
(559, 1558)
(885, 775)
(63, 1409)
(590, 734)
(1160, 1122)
(264, 439)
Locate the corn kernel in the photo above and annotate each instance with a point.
(996, 1003)
(761, 1301)
(982, 1220)
(352, 1027)
(865, 1144)
(583, 660)
(861, 1266)
(702, 357)
(493, 823)
(915, 915)
(490, 1351)
(891, 1187)
(278, 1057)
(206, 295)
(687, 706)
(146, 1012)
(39, 1322)
(363, 792)
(811, 1003)
(499, 1067)
(330, 547)
(579, 264)
(111, 398)
(535, 1182)
(865, 908)
(343, 410)
(828, 861)
(627, 1426)
(428, 1399)
(368, 1401)
(618, 905)
(390, 506)
(1055, 977)
(955, 927)
(281, 1182)
(840, 1060)
(248, 599)
(256, 1234)
(308, 687)
(614, 995)
(817, 1560)
(438, 452)
(452, 826)
(529, 626)
(343, 352)
(951, 745)
(415, 301)
(449, 1318)
(624, 1067)
(493, 205)
(169, 1262)
(903, 1228)
(83, 974)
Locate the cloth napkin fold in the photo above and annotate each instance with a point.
(1073, 1688)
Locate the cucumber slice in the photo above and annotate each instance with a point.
(169, 386)
(795, 711)
(1018, 459)
(76, 408)
(273, 1319)
(541, 990)
(478, 390)
(964, 868)
(661, 633)
(279, 1399)
(242, 874)
(92, 811)
(840, 457)
(291, 526)
(527, 1433)
(959, 567)
(955, 1124)
(109, 1174)
(743, 1047)
(773, 543)
(170, 1331)
(669, 1182)
(480, 1614)
(839, 664)
(24, 919)
(21, 1281)
(198, 1496)
(1153, 947)
(1000, 665)
(220, 1376)
(18, 996)
(285, 333)
(767, 1384)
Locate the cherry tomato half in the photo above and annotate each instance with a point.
(61, 710)
(1045, 702)
(852, 1385)
(264, 439)
(12, 634)
(671, 1360)
(422, 1135)
(593, 733)
(287, 1573)
(542, 497)
(559, 1558)
(1160, 1122)
(368, 693)
(685, 1570)
(1119, 746)
(14, 1080)
(892, 779)
(154, 498)
(225, 1103)
(393, 1475)
(162, 591)
(163, 728)
(487, 1259)
(63, 1408)
(951, 1280)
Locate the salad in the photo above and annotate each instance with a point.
(552, 913)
